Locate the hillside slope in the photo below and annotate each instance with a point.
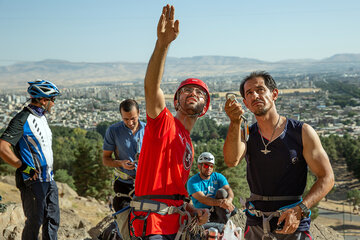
(82, 218)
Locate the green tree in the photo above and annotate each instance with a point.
(206, 129)
(309, 183)
(354, 196)
(6, 169)
(330, 146)
(91, 177)
(61, 175)
(103, 126)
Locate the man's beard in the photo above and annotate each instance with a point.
(263, 111)
(193, 110)
(206, 175)
(196, 110)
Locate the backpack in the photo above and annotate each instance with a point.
(110, 233)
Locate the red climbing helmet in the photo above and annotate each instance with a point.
(198, 82)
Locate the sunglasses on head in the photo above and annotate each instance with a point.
(206, 165)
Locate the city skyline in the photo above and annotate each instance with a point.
(111, 31)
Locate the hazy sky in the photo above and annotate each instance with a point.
(125, 30)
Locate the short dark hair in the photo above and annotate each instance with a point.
(268, 79)
(128, 104)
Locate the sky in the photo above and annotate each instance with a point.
(125, 30)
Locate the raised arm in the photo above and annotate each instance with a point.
(167, 31)
(235, 146)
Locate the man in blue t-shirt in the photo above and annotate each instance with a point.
(211, 189)
(124, 139)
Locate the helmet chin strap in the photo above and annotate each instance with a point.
(46, 108)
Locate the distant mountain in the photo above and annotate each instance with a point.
(213, 60)
(70, 73)
(343, 58)
(66, 73)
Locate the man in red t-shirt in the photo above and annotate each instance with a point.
(167, 152)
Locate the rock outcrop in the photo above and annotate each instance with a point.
(79, 214)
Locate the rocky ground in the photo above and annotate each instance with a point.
(78, 214)
(84, 218)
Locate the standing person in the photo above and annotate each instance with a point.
(31, 138)
(124, 139)
(167, 152)
(278, 153)
(211, 189)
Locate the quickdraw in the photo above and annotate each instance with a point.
(232, 96)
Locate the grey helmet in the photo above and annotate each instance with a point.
(206, 157)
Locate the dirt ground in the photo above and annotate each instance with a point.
(343, 179)
(337, 200)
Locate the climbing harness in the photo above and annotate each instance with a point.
(147, 205)
(129, 195)
(267, 216)
(124, 176)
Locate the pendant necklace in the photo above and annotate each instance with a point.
(266, 151)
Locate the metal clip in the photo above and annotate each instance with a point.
(232, 96)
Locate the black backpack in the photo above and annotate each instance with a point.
(110, 233)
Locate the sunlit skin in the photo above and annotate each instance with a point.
(167, 31)
(46, 103)
(192, 99)
(258, 98)
(131, 119)
(205, 173)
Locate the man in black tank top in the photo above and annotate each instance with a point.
(278, 153)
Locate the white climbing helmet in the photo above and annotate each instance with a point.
(206, 157)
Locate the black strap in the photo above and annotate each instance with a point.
(256, 197)
(171, 197)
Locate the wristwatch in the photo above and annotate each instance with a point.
(304, 209)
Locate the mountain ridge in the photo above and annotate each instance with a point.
(68, 73)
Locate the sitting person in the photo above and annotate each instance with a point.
(209, 189)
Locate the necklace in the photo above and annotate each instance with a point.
(266, 151)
